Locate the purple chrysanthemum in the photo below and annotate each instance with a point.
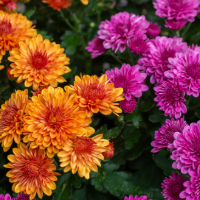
(138, 45)
(136, 198)
(170, 98)
(23, 196)
(192, 190)
(155, 61)
(153, 30)
(130, 79)
(186, 67)
(128, 106)
(6, 197)
(177, 9)
(175, 24)
(173, 186)
(96, 47)
(164, 136)
(122, 27)
(186, 148)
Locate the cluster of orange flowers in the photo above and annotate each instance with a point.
(52, 121)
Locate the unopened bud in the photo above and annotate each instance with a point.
(11, 6)
(10, 76)
(109, 153)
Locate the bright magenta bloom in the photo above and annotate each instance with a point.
(173, 186)
(164, 136)
(6, 197)
(122, 27)
(138, 45)
(128, 106)
(136, 198)
(153, 30)
(23, 196)
(175, 24)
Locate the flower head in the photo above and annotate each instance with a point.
(122, 27)
(58, 4)
(186, 66)
(186, 148)
(175, 24)
(155, 60)
(14, 28)
(109, 153)
(11, 119)
(83, 154)
(138, 45)
(136, 198)
(31, 171)
(153, 30)
(130, 79)
(192, 189)
(96, 95)
(11, 6)
(23, 196)
(39, 62)
(164, 137)
(6, 197)
(173, 186)
(170, 98)
(128, 106)
(179, 9)
(96, 47)
(52, 118)
(85, 2)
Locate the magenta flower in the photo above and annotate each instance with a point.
(23, 196)
(136, 198)
(164, 136)
(170, 98)
(177, 9)
(96, 47)
(186, 148)
(155, 61)
(6, 197)
(175, 24)
(130, 79)
(153, 30)
(186, 67)
(128, 106)
(173, 186)
(122, 27)
(138, 45)
(192, 190)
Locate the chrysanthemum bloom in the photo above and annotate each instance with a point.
(179, 9)
(138, 45)
(128, 106)
(96, 47)
(186, 148)
(153, 30)
(122, 27)
(175, 24)
(52, 118)
(170, 98)
(109, 153)
(155, 60)
(11, 118)
(6, 197)
(164, 136)
(22, 196)
(40, 64)
(31, 171)
(11, 6)
(85, 2)
(58, 4)
(192, 189)
(83, 154)
(14, 28)
(186, 66)
(173, 186)
(130, 79)
(136, 198)
(96, 95)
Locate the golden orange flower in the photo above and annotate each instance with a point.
(58, 4)
(31, 171)
(83, 154)
(1, 67)
(52, 118)
(13, 29)
(11, 118)
(96, 95)
(85, 2)
(39, 62)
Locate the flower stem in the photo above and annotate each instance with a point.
(178, 34)
(131, 58)
(115, 57)
(186, 29)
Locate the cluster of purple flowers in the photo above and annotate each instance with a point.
(20, 196)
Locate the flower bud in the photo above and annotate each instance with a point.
(11, 6)
(10, 76)
(109, 151)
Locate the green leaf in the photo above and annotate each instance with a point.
(146, 105)
(135, 118)
(101, 130)
(29, 13)
(114, 132)
(45, 35)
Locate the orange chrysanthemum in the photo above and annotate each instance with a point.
(1, 67)
(85, 2)
(39, 62)
(52, 118)
(96, 95)
(82, 154)
(11, 118)
(31, 171)
(58, 4)
(13, 29)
